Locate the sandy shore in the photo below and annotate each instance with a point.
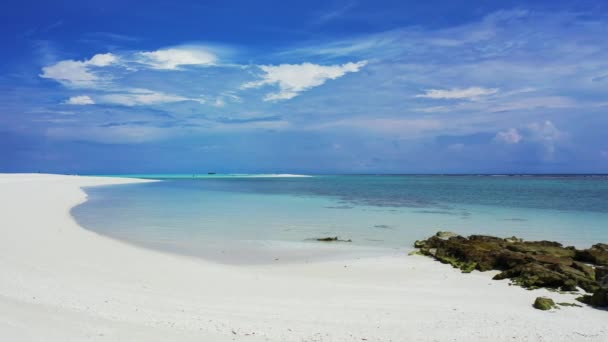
(59, 282)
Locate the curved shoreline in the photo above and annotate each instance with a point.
(63, 282)
(251, 252)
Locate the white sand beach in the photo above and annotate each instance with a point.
(60, 282)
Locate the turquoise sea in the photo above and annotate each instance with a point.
(265, 218)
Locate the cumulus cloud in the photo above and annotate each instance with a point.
(545, 130)
(83, 74)
(544, 134)
(292, 79)
(470, 93)
(80, 100)
(173, 58)
(142, 97)
(510, 136)
(102, 59)
(78, 73)
(547, 134)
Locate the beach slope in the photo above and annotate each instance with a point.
(60, 282)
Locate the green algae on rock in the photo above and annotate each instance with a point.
(530, 264)
(544, 303)
(570, 304)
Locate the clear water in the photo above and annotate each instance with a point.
(261, 219)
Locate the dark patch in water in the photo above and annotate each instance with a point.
(465, 215)
(442, 212)
(425, 191)
(383, 226)
(515, 219)
(340, 207)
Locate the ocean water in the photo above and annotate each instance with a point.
(264, 218)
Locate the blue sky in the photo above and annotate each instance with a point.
(310, 86)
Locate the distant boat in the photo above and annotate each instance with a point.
(210, 173)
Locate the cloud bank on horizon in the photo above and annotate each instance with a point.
(352, 86)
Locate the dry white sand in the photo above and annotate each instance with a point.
(59, 282)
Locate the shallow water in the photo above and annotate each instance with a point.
(260, 219)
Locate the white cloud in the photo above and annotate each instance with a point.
(404, 127)
(109, 135)
(546, 134)
(224, 98)
(458, 93)
(533, 103)
(173, 58)
(545, 130)
(219, 102)
(78, 73)
(102, 59)
(510, 136)
(334, 13)
(80, 100)
(293, 79)
(258, 125)
(141, 97)
(433, 109)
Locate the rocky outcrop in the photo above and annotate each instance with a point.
(445, 235)
(600, 296)
(530, 264)
(598, 299)
(601, 275)
(597, 254)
